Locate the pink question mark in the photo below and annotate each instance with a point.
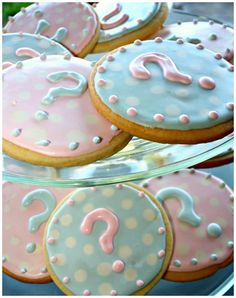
(170, 71)
(114, 12)
(106, 239)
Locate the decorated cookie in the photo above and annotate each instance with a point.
(16, 47)
(108, 240)
(48, 116)
(216, 37)
(148, 90)
(200, 208)
(25, 212)
(74, 25)
(122, 23)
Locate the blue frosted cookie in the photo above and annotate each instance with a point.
(165, 91)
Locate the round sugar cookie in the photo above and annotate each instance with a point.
(22, 46)
(218, 38)
(149, 90)
(25, 212)
(48, 116)
(200, 209)
(72, 24)
(123, 22)
(110, 240)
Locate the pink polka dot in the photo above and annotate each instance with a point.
(119, 186)
(114, 293)
(200, 46)
(132, 112)
(51, 240)
(122, 49)
(159, 118)
(179, 41)
(110, 58)
(213, 115)
(66, 280)
(140, 283)
(231, 68)
(161, 230)
(71, 202)
(86, 293)
(158, 39)
(101, 82)
(161, 253)
(55, 220)
(139, 21)
(53, 259)
(184, 119)
(93, 189)
(101, 69)
(118, 266)
(141, 194)
(113, 99)
(218, 56)
(207, 83)
(137, 42)
(230, 105)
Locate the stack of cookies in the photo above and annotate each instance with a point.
(171, 84)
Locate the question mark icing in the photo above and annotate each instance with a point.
(102, 214)
(114, 24)
(60, 34)
(64, 91)
(48, 200)
(41, 26)
(187, 213)
(170, 72)
(27, 52)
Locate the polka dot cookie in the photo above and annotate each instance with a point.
(218, 38)
(200, 208)
(52, 121)
(74, 25)
(25, 212)
(122, 24)
(110, 240)
(22, 46)
(147, 89)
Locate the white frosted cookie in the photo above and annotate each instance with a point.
(200, 209)
(25, 212)
(165, 91)
(108, 240)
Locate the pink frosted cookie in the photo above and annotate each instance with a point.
(74, 25)
(25, 211)
(200, 208)
(215, 37)
(48, 116)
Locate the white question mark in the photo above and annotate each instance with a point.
(64, 91)
(49, 202)
(170, 71)
(187, 213)
(114, 24)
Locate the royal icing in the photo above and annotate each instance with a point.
(22, 46)
(53, 116)
(71, 24)
(119, 19)
(108, 242)
(204, 245)
(156, 69)
(22, 248)
(216, 37)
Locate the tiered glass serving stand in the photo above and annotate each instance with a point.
(139, 160)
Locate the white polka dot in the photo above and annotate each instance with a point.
(55, 234)
(20, 116)
(14, 241)
(183, 249)
(214, 202)
(214, 100)
(127, 204)
(149, 214)
(108, 192)
(59, 9)
(88, 249)
(151, 259)
(147, 239)
(88, 207)
(203, 112)
(157, 89)
(172, 110)
(80, 196)
(201, 233)
(131, 82)
(76, 135)
(56, 118)
(92, 119)
(24, 95)
(114, 66)
(130, 274)
(125, 251)
(43, 44)
(105, 289)
(132, 101)
(39, 86)
(35, 134)
(66, 219)
(6, 209)
(73, 25)
(182, 93)
(183, 227)
(70, 242)
(222, 222)
(195, 66)
(7, 50)
(80, 276)
(104, 269)
(181, 54)
(201, 255)
(72, 104)
(59, 20)
(61, 259)
(131, 223)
